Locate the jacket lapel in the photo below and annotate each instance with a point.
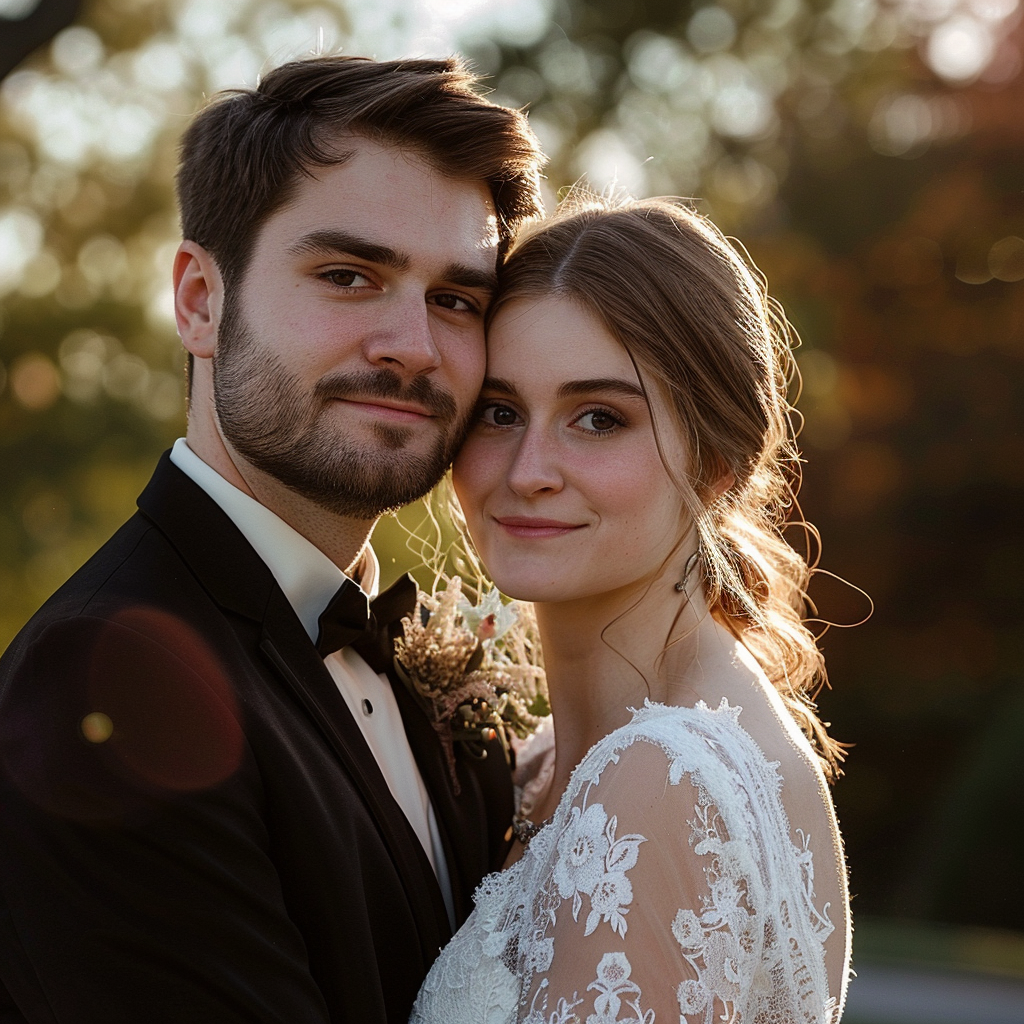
(464, 820)
(239, 580)
(472, 822)
(299, 666)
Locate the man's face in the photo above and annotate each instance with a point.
(350, 355)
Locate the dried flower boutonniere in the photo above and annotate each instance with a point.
(476, 669)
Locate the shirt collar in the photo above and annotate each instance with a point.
(307, 576)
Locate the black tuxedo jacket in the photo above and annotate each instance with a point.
(192, 828)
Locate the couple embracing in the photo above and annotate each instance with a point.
(218, 803)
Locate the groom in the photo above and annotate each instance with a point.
(214, 806)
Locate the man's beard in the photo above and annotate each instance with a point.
(285, 433)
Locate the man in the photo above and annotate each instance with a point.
(208, 811)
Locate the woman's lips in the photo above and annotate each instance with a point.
(532, 527)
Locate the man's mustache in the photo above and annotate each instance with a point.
(383, 383)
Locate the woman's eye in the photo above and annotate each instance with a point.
(499, 415)
(598, 421)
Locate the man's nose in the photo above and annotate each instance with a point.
(403, 339)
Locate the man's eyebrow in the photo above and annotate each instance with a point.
(466, 276)
(605, 385)
(332, 244)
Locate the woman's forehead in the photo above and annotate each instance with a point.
(554, 335)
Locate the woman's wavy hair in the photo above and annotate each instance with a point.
(696, 319)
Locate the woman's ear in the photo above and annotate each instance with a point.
(198, 298)
(723, 483)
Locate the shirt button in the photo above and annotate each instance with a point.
(367, 707)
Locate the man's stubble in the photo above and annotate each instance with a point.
(286, 433)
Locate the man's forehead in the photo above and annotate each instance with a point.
(398, 198)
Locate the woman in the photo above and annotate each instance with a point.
(629, 472)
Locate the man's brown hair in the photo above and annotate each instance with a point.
(244, 155)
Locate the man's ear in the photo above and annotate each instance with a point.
(198, 298)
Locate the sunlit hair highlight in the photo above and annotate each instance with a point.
(696, 319)
(244, 155)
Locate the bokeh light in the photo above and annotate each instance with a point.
(35, 382)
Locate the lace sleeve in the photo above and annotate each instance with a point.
(667, 887)
(659, 901)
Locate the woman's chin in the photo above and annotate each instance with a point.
(539, 590)
(527, 587)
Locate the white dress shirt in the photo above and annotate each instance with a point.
(309, 580)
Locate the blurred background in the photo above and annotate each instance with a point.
(870, 155)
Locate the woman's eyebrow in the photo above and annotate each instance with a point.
(499, 386)
(606, 385)
(573, 388)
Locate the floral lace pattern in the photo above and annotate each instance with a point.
(727, 928)
(593, 863)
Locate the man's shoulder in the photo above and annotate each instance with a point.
(128, 655)
(130, 570)
(137, 559)
(141, 570)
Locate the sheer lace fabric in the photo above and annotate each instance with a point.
(667, 887)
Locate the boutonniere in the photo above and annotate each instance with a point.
(476, 669)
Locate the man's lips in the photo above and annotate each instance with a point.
(389, 409)
(531, 526)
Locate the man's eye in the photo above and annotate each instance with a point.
(345, 278)
(499, 415)
(448, 301)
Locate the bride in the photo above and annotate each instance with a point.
(631, 466)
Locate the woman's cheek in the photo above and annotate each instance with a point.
(470, 473)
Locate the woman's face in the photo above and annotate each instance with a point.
(561, 482)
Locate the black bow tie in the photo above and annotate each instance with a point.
(369, 627)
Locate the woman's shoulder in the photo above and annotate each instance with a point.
(694, 739)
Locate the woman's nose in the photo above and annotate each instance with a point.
(536, 467)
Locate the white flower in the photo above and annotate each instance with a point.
(692, 997)
(491, 619)
(608, 902)
(611, 984)
(687, 929)
(614, 969)
(582, 847)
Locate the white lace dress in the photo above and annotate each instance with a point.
(666, 887)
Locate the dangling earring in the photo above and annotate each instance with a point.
(691, 564)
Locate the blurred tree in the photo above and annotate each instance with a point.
(869, 152)
(27, 24)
